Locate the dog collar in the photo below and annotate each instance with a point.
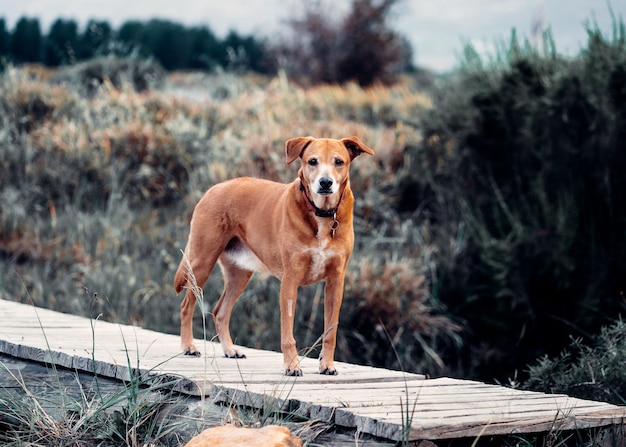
(319, 212)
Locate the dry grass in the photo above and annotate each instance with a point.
(97, 191)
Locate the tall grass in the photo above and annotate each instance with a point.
(96, 193)
(139, 411)
(142, 409)
(526, 153)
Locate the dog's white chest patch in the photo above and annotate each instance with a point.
(320, 256)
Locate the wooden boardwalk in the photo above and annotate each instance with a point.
(369, 400)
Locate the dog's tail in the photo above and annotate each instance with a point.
(180, 280)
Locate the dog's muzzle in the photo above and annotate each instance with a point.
(325, 186)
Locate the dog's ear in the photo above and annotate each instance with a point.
(356, 147)
(295, 146)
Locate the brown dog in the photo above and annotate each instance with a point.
(300, 232)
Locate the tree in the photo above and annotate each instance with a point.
(168, 42)
(242, 52)
(171, 44)
(370, 51)
(359, 47)
(61, 43)
(26, 42)
(206, 50)
(4, 40)
(310, 48)
(130, 35)
(96, 37)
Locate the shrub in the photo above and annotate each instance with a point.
(391, 306)
(140, 74)
(527, 155)
(359, 47)
(588, 372)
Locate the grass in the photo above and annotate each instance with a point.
(144, 410)
(96, 193)
(97, 188)
(524, 152)
(586, 371)
(141, 410)
(133, 414)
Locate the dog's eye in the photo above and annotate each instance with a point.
(339, 162)
(313, 162)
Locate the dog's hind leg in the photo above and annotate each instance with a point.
(186, 322)
(193, 273)
(196, 279)
(235, 281)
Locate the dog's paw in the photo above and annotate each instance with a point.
(293, 372)
(327, 368)
(329, 371)
(232, 353)
(193, 352)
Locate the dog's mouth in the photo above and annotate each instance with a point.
(325, 191)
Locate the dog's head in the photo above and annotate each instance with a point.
(325, 165)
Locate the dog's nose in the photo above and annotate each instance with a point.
(326, 183)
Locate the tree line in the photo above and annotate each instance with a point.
(173, 45)
(360, 46)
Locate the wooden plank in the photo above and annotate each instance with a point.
(479, 412)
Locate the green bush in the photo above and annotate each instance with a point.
(595, 372)
(527, 154)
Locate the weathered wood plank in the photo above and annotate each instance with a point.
(473, 415)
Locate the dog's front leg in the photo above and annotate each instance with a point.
(288, 297)
(333, 295)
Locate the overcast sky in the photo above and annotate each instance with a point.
(437, 29)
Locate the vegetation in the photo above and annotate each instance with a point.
(359, 46)
(139, 413)
(97, 192)
(490, 225)
(60, 407)
(589, 372)
(525, 156)
(171, 44)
